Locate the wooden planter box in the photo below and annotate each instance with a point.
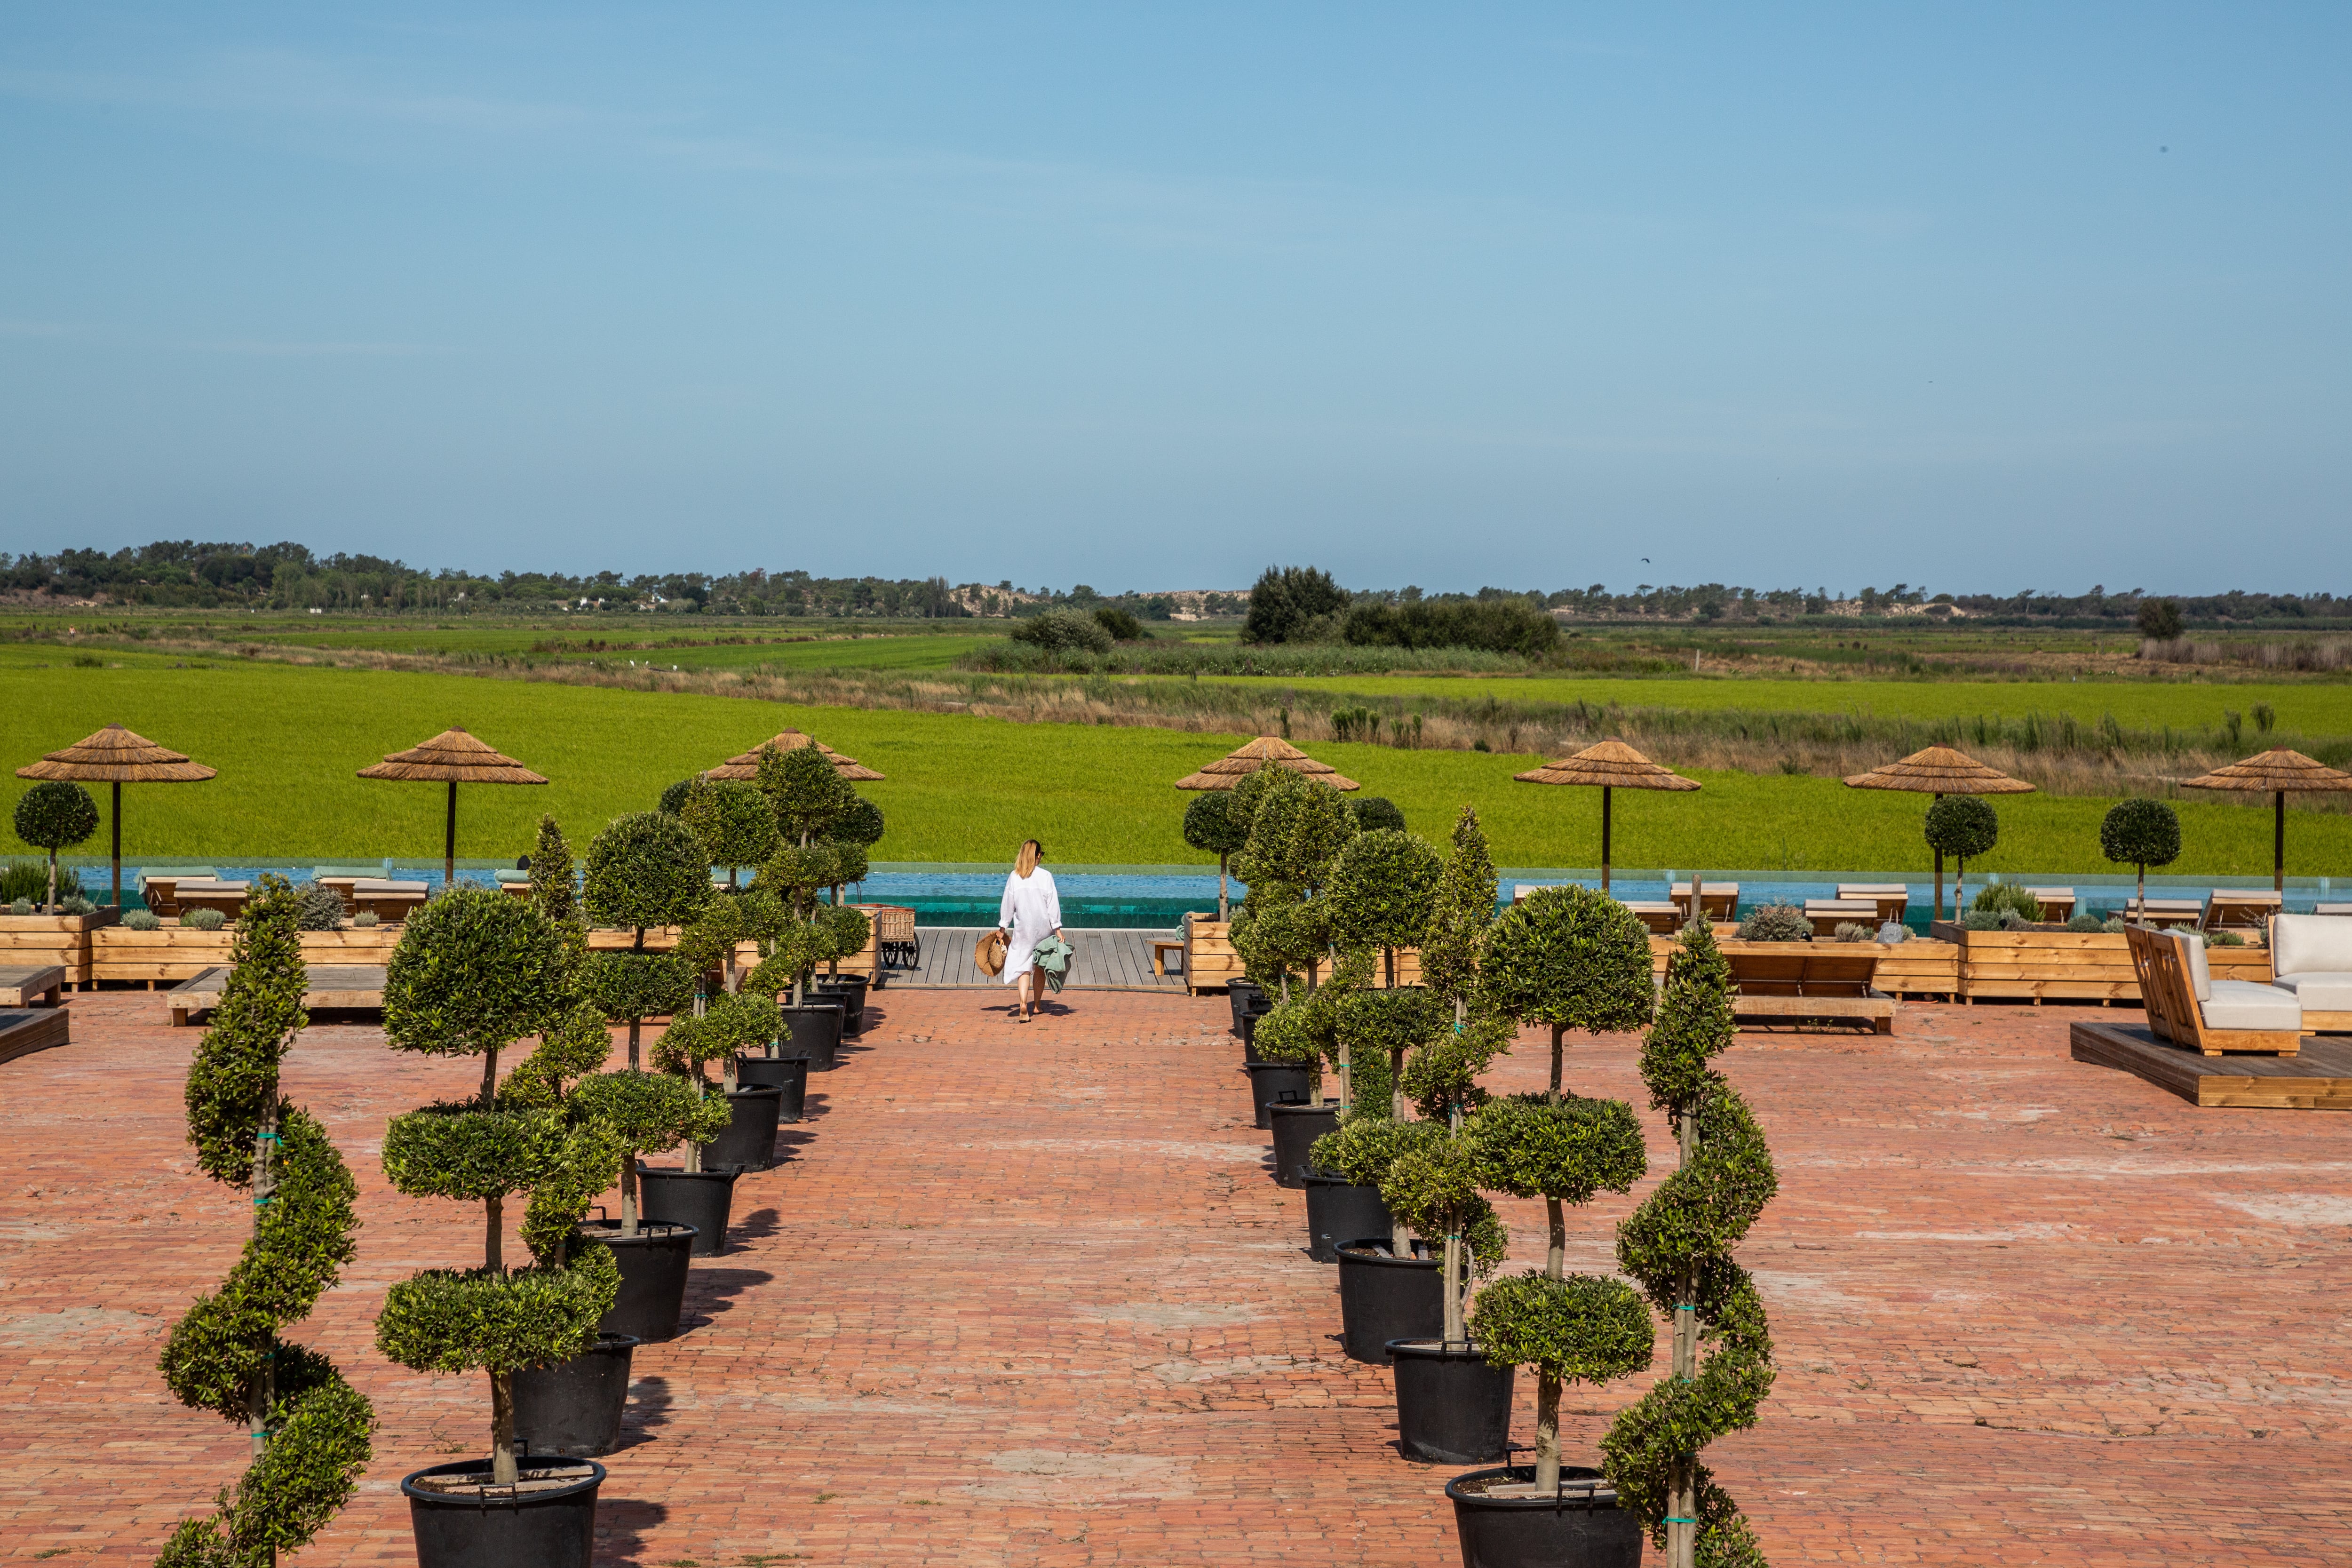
(175, 954)
(1210, 963)
(2078, 965)
(1915, 968)
(61, 940)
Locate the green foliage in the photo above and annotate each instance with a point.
(1461, 914)
(1381, 887)
(1376, 813)
(805, 789)
(847, 930)
(586, 1165)
(1364, 1147)
(646, 869)
(1527, 1146)
(1853, 930)
(1570, 957)
(860, 823)
(708, 944)
(2087, 922)
(1442, 1076)
(1212, 825)
(136, 920)
(1298, 1030)
(1776, 922)
(2008, 897)
(551, 873)
(1695, 1021)
(1122, 627)
(647, 1111)
(1585, 1328)
(2140, 832)
(731, 820)
(322, 906)
(574, 1045)
(225, 1351)
(1383, 1026)
(1432, 1189)
(1963, 826)
(29, 879)
(849, 863)
(206, 919)
(737, 1024)
(673, 797)
(1276, 932)
(1064, 631)
(795, 951)
(497, 1319)
(470, 1149)
(2161, 619)
(627, 986)
(476, 970)
(1297, 830)
(1285, 599)
(2224, 938)
(54, 814)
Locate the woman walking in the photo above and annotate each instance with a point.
(1030, 916)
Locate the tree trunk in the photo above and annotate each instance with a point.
(51, 907)
(1557, 1031)
(489, 1075)
(629, 1193)
(693, 1148)
(1396, 1085)
(1347, 1078)
(502, 1454)
(1682, 1529)
(1225, 911)
(264, 1399)
(494, 1219)
(1556, 1253)
(633, 1042)
(1452, 1268)
(1388, 960)
(1548, 1431)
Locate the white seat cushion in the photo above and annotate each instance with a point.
(2320, 990)
(2192, 960)
(2242, 1004)
(2301, 944)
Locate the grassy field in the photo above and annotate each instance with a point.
(289, 740)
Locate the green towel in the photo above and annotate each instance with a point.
(1053, 955)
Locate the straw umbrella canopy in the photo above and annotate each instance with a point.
(1611, 765)
(452, 757)
(1940, 771)
(2281, 771)
(1235, 765)
(746, 765)
(118, 756)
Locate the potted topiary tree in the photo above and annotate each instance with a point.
(1568, 958)
(1210, 825)
(700, 1191)
(551, 888)
(647, 1113)
(644, 871)
(2136, 832)
(1679, 1244)
(733, 822)
(477, 971)
(1964, 826)
(54, 814)
(309, 1428)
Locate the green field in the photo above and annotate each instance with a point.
(289, 740)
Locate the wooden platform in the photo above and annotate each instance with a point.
(332, 986)
(26, 985)
(24, 1030)
(1875, 1011)
(2320, 1079)
(1103, 960)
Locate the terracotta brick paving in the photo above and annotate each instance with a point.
(1023, 1295)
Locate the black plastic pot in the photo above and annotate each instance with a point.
(574, 1408)
(813, 1030)
(502, 1527)
(653, 1277)
(1258, 1008)
(1581, 1527)
(1338, 1211)
(750, 1141)
(1453, 1406)
(696, 1198)
(1296, 1128)
(851, 989)
(1276, 1082)
(1239, 993)
(1383, 1298)
(788, 1074)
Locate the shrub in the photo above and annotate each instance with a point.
(646, 869)
(367, 919)
(551, 873)
(312, 1428)
(646, 1113)
(1679, 1246)
(322, 906)
(54, 815)
(860, 822)
(2009, 897)
(2115, 925)
(212, 919)
(2142, 833)
(1380, 888)
(476, 970)
(1210, 825)
(2160, 619)
(137, 919)
(1776, 922)
(731, 820)
(1062, 631)
(1122, 627)
(1854, 931)
(77, 905)
(1979, 920)
(1571, 958)
(1375, 812)
(807, 794)
(673, 797)
(2087, 922)
(2224, 938)
(28, 882)
(1964, 827)
(1285, 599)
(1507, 626)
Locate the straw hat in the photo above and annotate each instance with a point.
(747, 764)
(1610, 764)
(453, 757)
(117, 755)
(1941, 770)
(1233, 767)
(2274, 770)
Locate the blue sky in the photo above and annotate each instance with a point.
(1983, 297)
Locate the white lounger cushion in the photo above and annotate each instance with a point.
(2301, 944)
(2320, 990)
(2242, 1004)
(2192, 956)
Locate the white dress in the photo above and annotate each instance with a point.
(1032, 912)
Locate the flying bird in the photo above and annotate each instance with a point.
(1645, 561)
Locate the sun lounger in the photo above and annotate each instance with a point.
(209, 893)
(1891, 899)
(2166, 912)
(1722, 899)
(1828, 914)
(159, 888)
(2188, 1006)
(2057, 903)
(2230, 910)
(2332, 909)
(391, 903)
(1798, 981)
(1662, 919)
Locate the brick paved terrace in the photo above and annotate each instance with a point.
(1025, 1295)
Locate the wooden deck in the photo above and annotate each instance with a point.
(25, 1030)
(331, 985)
(2320, 1079)
(1105, 960)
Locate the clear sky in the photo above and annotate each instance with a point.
(1983, 297)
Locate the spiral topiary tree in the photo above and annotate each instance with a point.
(54, 814)
(2142, 833)
(1211, 824)
(311, 1429)
(644, 870)
(1461, 914)
(476, 972)
(1965, 827)
(1678, 1244)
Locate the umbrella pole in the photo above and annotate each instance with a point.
(1604, 838)
(449, 844)
(1940, 880)
(2278, 842)
(118, 845)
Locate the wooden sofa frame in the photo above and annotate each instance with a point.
(2173, 1013)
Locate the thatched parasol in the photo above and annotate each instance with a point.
(1940, 771)
(1612, 765)
(746, 766)
(1233, 767)
(452, 757)
(118, 756)
(2281, 771)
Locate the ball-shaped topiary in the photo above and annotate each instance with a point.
(1381, 889)
(1296, 830)
(54, 814)
(1213, 824)
(476, 970)
(630, 987)
(1571, 958)
(2142, 833)
(1580, 1328)
(646, 869)
(1374, 813)
(1431, 1192)
(860, 822)
(1963, 826)
(647, 1113)
(804, 789)
(731, 820)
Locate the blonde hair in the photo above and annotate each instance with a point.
(1026, 861)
